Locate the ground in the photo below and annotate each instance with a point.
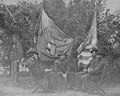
(24, 88)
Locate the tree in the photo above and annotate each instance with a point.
(108, 32)
(26, 15)
(74, 19)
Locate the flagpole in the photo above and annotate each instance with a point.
(8, 11)
(80, 48)
(95, 16)
(39, 19)
(39, 14)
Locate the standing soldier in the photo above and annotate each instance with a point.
(13, 56)
(16, 55)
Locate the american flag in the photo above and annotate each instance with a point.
(90, 41)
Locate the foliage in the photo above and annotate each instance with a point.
(74, 19)
(108, 33)
(26, 15)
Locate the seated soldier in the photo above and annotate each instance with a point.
(56, 76)
(95, 70)
(93, 67)
(37, 71)
(78, 75)
(71, 70)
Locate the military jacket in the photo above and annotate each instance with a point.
(98, 65)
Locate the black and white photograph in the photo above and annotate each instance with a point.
(59, 47)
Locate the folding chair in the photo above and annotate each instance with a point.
(70, 80)
(39, 77)
(97, 83)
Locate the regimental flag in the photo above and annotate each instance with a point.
(89, 42)
(51, 40)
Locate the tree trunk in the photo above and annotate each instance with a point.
(9, 53)
(10, 73)
(17, 72)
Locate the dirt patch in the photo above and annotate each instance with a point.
(3, 94)
(26, 86)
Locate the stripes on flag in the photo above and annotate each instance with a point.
(84, 57)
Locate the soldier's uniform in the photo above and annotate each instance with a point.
(96, 69)
(16, 55)
(38, 73)
(78, 75)
(35, 69)
(71, 70)
(60, 78)
(56, 77)
(60, 65)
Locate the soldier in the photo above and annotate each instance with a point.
(53, 77)
(61, 74)
(37, 71)
(94, 60)
(16, 55)
(95, 70)
(61, 64)
(56, 76)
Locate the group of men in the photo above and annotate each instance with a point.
(78, 81)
